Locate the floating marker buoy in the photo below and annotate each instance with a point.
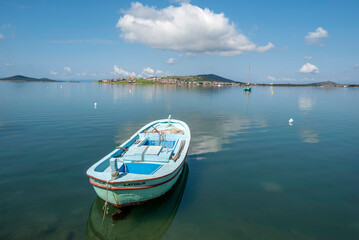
(95, 105)
(61, 86)
(291, 120)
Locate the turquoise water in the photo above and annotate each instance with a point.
(250, 174)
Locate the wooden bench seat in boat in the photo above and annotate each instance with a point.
(148, 153)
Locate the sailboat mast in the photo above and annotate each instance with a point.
(247, 87)
(249, 73)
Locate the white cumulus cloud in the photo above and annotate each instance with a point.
(149, 72)
(120, 71)
(185, 28)
(8, 25)
(308, 57)
(309, 68)
(170, 61)
(271, 78)
(67, 69)
(315, 37)
(180, 1)
(81, 74)
(268, 47)
(53, 72)
(279, 79)
(2, 36)
(288, 79)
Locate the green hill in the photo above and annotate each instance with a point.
(217, 78)
(326, 84)
(20, 78)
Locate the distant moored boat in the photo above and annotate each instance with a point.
(247, 87)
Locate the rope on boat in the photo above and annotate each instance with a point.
(105, 207)
(175, 157)
(114, 175)
(123, 164)
(155, 129)
(124, 149)
(172, 130)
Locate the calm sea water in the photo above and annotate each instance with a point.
(250, 174)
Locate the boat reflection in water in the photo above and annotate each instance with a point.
(150, 220)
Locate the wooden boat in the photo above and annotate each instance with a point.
(145, 166)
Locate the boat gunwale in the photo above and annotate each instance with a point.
(181, 159)
(142, 187)
(142, 179)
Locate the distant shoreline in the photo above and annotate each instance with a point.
(254, 84)
(206, 80)
(196, 80)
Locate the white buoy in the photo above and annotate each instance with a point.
(291, 120)
(95, 105)
(61, 86)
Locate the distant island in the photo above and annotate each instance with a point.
(211, 80)
(206, 79)
(20, 78)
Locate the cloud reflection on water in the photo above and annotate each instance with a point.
(272, 187)
(310, 136)
(214, 136)
(207, 135)
(305, 103)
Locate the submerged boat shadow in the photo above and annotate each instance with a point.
(149, 220)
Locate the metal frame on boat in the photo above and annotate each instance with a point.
(145, 166)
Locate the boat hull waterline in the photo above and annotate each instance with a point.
(148, 164)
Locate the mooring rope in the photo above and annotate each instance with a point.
(105, 207)
(123, 164)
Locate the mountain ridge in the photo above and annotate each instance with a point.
(21, 78)
(217, 78)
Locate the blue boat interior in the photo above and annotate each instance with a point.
(165, 143)
(147, 168)
(143, 154)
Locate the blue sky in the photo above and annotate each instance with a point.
(284, 41)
